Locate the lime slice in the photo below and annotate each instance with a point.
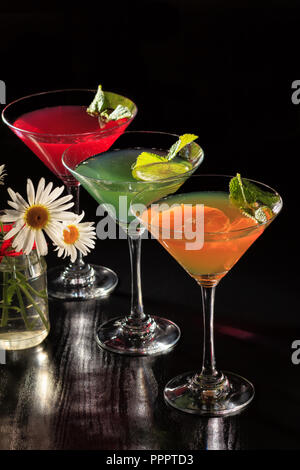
(160, 171)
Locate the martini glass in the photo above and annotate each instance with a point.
(108, 178)
(48, 123)
(207, 234)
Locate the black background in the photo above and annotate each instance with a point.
(221, 70)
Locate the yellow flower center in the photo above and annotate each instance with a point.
(37, 217)
(71, 235)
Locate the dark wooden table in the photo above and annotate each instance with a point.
(69, 394)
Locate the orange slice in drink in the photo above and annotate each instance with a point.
(185, 216)
(215, 220)
(241, 223)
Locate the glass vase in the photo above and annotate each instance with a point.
(24, 319)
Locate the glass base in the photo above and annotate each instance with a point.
(22, 340)
(87, 282)
(232, 395)
(156, 336)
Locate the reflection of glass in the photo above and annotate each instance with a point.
(48, 123)
(133, 423)
(204, 433)
(227, 234)
(108, 177)
(29, 391)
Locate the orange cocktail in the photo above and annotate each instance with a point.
(226, 232)
(207, 226)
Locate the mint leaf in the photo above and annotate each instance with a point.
(183, 140)
(264, 197)
(251, 200)
(97, 104)
(99, 107)
(260, 215)
(120, 112)
(239, 193)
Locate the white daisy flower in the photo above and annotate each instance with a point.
(44, 212)
(2, 173)
(76, 236)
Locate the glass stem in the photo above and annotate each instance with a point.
(74, 191)
(209, 363)
(137, 315)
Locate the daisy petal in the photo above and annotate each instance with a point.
(41, 244)
(73, 253)
(80, 217)
(64, 216)
(30, 192)
(18, 241)
(64, 207)
(14, 230)
(28, 242)
(40, 190)
(54, 232)
(60, 201)
(11, 193)
(15, 205)
(21, 201)
(46, 193)
(9, 218)
(55, 194)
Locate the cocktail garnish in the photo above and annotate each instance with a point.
(183, 140)
(161, 170)
(145, 167)
(100, 107)
(120, 112)
(252, 200)
(98, 102)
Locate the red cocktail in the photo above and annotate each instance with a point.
(48, 123)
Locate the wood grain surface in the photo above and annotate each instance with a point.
(69, 394)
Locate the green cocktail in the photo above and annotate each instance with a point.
(109, 179)
(113, 179)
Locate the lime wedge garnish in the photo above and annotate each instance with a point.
(147, 158)
(160, 171)
(152, 167)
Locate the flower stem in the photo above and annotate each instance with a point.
(5, 308)
(46, 324)
(22, 308)
(35, 292)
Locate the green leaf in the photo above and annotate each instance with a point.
(101, 107)
(11, 289)
(264, 197)
(252, 200)
(239, 193)
(98, 102)
(183, 140)
(121, 112)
